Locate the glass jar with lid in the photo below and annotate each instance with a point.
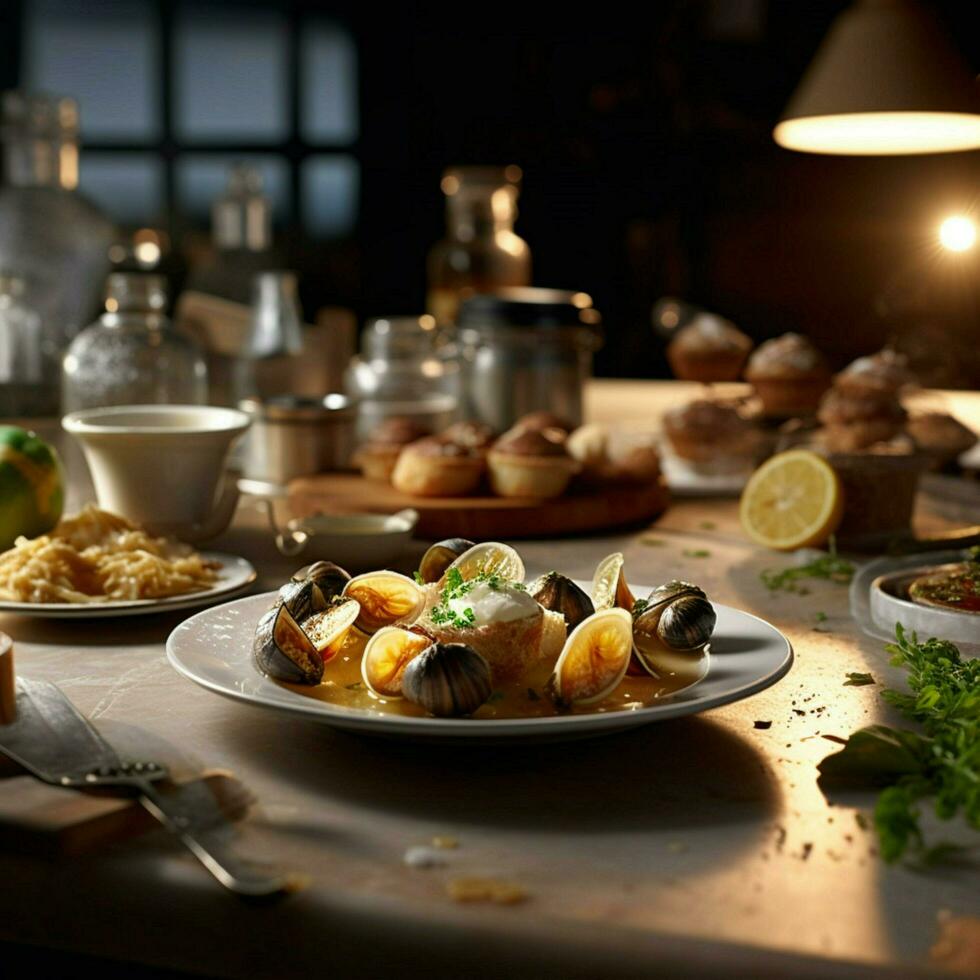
(481, 252)
(408, 367)
(132, 355)
(527, 350)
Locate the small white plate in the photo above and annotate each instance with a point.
(214, 649)
(235, 576)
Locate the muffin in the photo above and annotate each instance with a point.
(884, 373)
(940, 436)
(708, 349)
(434, 467)
(530, 463)
(712, 437)
(789, 375)
(601, 460)
(472, 435)
(537, 421)
(377, 457)
(852, 421)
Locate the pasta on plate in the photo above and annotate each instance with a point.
(96, 556)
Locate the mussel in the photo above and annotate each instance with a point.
(672, 627)
(312, 588)
(282, 650)
(448, 680)
(560, 594)
(440, 556)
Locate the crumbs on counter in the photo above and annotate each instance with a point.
(494, 890)
(421, 856)
(762, 724)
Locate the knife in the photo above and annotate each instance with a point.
(58, 745)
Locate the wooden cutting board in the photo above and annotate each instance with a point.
(42, 819)
(482, 518)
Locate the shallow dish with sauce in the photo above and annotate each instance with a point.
(522, 677)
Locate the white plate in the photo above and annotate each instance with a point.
(214, 649)
(235, 576)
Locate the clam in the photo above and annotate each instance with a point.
(386, 657)
(328, 628)
(440, 556)
(672, 628)
(283, 650)
(447, 679)
(594, 659)
(609, 588)
(386, 599)
(560, 594)
(311, 588)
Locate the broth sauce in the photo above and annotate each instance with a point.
(342, 685)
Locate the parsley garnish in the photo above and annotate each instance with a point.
(455, 588)
(418, 578)
(830, 566)
(941, 762)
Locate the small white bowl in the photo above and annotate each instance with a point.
(353, 541)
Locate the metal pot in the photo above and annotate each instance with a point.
(293, 436)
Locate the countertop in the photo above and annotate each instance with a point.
(696, 847)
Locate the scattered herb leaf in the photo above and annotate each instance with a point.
(653, 542)
(830, 567)
(496, 696)
(697, 553)
(941, 764)
(356, 686)
(417, 575)
(707, 525)
(820, 617)
(856, 679)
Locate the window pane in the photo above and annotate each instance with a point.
(329, 83)
(127, 186)
(229, 74)
(330, 188)
(105, 54)
(201, 177)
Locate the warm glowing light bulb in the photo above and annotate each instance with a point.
(958, 233)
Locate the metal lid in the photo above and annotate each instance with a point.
(295, 408)
(529, 306)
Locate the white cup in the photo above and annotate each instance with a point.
(162, 466)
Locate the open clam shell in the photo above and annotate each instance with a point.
(609, 587)
(386, 657)
(282, 649)
(440, 556)
(594, 658)
(328, 629)
(386, 599)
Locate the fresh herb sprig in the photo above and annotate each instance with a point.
(830, 567)
(941, 763)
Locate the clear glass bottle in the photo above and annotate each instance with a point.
(132, 355)
(241, 238)
(55, 238)
(20, 352)
(481, 252)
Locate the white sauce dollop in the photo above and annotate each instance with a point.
(501, 605)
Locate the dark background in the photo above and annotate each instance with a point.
(649, 167)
